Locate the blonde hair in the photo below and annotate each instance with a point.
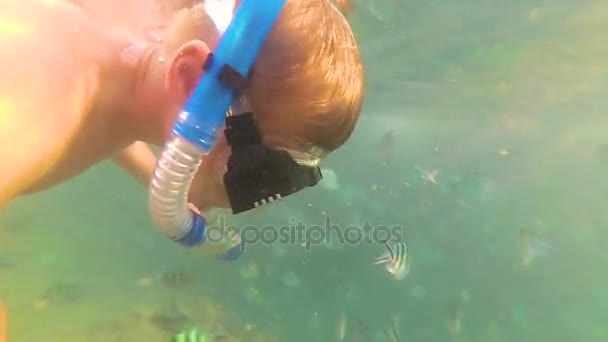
(307, 83)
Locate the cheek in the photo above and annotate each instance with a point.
(207, 189)
(170, 102)
(203, 180)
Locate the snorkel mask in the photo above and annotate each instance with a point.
(256, 173)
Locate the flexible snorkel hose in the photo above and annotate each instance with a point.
(195, 131)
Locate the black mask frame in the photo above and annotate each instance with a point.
(257, 174)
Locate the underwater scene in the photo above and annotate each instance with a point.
(468, 206)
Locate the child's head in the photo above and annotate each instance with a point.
(306, 87)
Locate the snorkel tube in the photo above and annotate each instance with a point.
(196, 128)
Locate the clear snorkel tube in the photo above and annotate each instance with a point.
(195, 131)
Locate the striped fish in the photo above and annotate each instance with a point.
(395, 259)
(190, 335)
(197, 335)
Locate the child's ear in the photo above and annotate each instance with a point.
(186, 69)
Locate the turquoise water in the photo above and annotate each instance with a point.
(505, 99)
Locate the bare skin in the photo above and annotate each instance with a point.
(69, 99)
(3, 323)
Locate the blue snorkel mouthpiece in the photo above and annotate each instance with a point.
(195, 131)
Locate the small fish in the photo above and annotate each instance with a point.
(504, 152)
(429, 176)
(387, 146)
(395, 259)
(454, 323)
(197, 335)
(531, 246)
(177, 278)
(341, 329)
(190, 335)
(60, 293)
